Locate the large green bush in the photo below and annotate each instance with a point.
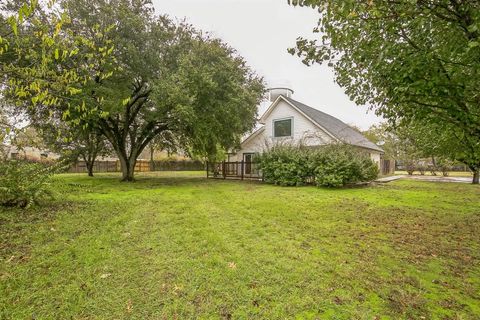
(338, 165)
(25, 183)
(285, 165)
(332, 165)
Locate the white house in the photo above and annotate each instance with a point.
(289, 120)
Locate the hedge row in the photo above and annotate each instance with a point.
(333, 165)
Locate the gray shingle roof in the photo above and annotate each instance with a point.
(337, 128)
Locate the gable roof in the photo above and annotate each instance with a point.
(334, 126)
(253, 134)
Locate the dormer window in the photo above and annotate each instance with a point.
(282, 128)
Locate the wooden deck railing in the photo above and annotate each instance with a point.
(233, 170)
(242, 170)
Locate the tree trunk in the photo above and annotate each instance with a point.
(89, 162)
(128, 168)
(476, 176)
(152, 160)
(90, 169)
(131, 169)
(127, 154)
(125, 167)
(127, 174)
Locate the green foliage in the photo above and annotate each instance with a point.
(5, 125)
(422, 168)
(44, 63)
(285, 165)
(174, 81)
(340, 165)
(410, 165)
(75, 142)
(382, 134)
(445, 166)
(413, 61)
(333, 165)
(23, 183)
(418, 140)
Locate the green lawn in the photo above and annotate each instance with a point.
(178, 246)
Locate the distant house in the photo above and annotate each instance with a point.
(29, 153)
(287, 120)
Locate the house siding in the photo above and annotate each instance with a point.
(376, 157)
(303, 129)
(255, 145)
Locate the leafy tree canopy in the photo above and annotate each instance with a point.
(75, 142)
(438, 141)
(170, 80)
(413, 61)
(42, 61)
(381, 134)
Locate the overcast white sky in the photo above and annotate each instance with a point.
(261, 31)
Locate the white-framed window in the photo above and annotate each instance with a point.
(283, 128)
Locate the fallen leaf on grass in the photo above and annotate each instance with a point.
(232, 265)
(129, 306)
(105, 275)
(177, 289)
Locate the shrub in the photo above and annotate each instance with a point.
(339, 165)
(410, 166)
(331, 166)
(422, 168)
(433, 169)
(285, 165)
(25, 183)
(445, 166)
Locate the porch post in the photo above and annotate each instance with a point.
(223, 170)
(242, 167)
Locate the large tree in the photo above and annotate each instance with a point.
(382, 134)
(440, 143)
(411, 60)
(171, 80)
(44, 64)
(74, 142)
